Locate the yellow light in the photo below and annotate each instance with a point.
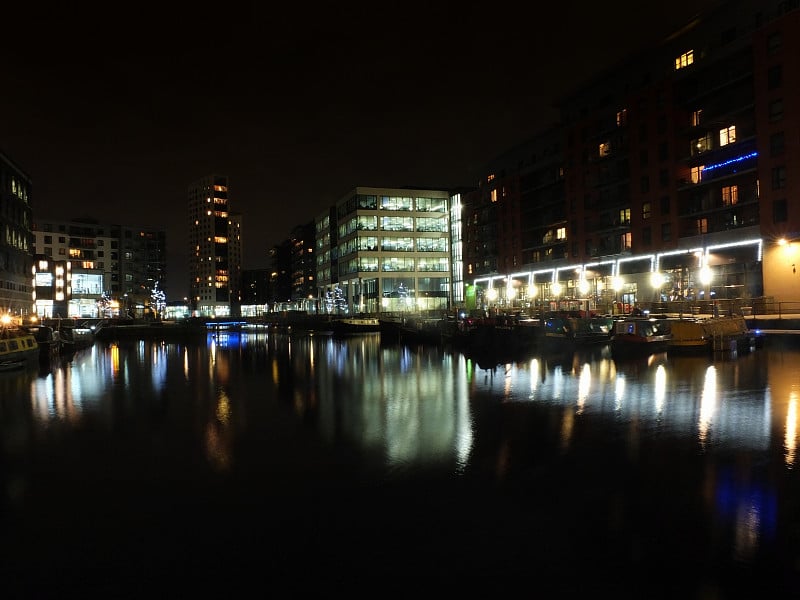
(491, 294)
(656, 279)
(556, 288)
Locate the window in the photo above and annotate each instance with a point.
(666, 232)
(727, 135)
(625, 241)
(604, 149)
(624, 216)
(645, 184)
(665, 205)
(778, 178)
(48, 239)
(661, 124)
(697, 116)
(643, 158)
(663, 178)
(700, 145)
(647, 236)
(646, 210)
(776, 110)
(561, 233)
(774, 43)
(774, 77)
(730, 195)
(779, 211)
(701, 226)
(663, 151)
(684, 60)
(697, 174)
(622, 117)
(776, 144)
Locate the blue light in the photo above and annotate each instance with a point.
(731, 161)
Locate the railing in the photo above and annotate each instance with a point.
(764, 305)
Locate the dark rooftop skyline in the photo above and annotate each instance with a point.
(113, 114)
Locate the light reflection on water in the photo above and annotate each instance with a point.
(716, 434)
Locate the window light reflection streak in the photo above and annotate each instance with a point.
(790, 438)
(708, 399)
(661, 388)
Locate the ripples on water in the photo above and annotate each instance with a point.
(659, 460)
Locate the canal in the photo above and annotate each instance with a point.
(260, 462)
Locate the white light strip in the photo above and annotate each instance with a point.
(615, 263)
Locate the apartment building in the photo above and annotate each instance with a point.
(215, 249)
(669, 176)
(16, 239)
(105, 262)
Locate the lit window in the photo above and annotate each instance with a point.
(622, 117)
(646, 210)
(625, 241)
(684, 60)
(702, 144)
(697, 116)
(604, 149)
(727, 135)
(561, 233)
(702, 225)
(494, 195)
(697, 174)
(730, 195)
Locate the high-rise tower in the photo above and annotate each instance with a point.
(214, 248)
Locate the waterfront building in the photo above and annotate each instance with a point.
(668, 177)
(392, 251)
(303, 267)
(16, 239)
(106, 269)
(214, 249)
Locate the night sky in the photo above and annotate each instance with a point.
(114, 109)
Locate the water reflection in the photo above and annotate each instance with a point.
(680, 448)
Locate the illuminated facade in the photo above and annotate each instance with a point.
(392, 252)
(16, 240)
(108, 263)
(667, 178)
(215, 249)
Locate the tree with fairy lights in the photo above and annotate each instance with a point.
(158, 299)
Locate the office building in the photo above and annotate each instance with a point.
(392, 252)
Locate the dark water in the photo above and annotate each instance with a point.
(263, 464)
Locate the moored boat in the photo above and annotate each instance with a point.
(355, 325)
(635, 336)
(49, 340)
(18, 348)
(576, 330)
(710, 334)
